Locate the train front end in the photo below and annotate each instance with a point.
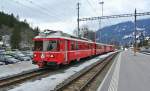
(46, 52)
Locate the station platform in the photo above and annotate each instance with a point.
(128, 73)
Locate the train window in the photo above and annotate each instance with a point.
(38, 45)
(77, 47)
(72, 46)
(53, 45)
(100, 47)
(89, 46)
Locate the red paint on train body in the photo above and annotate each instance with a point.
(63, 50)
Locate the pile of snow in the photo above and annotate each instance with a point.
(127, 36)
(16, 68)
(49, 83)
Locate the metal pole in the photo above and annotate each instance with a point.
(95, 36)
(78, 8)
(101, 3)
(102, 7)
(135, 32)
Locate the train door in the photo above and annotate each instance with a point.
(66, 51)
(91, 49)
(77, 53)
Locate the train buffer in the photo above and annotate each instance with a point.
(128, 73)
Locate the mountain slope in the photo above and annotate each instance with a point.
(123, 33)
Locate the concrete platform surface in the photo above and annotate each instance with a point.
(128, 73)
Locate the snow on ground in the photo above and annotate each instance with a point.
(11, 69)
(49, 83)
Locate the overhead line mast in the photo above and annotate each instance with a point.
(135, 32)
(114, 16)
(135, 14)
(100, 21)
(78, 25)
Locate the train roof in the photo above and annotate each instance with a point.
(61, 35)
(104, 44)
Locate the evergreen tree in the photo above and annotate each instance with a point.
(11, 24)
(20, 32)
(0, 38)
(36, 31)
(16, 37)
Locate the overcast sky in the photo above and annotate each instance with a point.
(62, 14)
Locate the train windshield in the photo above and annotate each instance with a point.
(38, 45)
(53, 45)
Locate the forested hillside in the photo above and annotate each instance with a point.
(20, 32)
(123, 33)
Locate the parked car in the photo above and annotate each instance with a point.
(2, 63)
(28, 53)
(2, 50)
(24, 57)
(7, 59)
(20, 56)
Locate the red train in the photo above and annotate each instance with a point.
(55, 50)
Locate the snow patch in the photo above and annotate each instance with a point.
(128, 36)
(49, 83)
(12, 69)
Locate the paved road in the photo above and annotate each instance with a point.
(128, 73)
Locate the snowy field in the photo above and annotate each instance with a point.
(12, 69)
(49, 83)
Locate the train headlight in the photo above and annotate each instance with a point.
(42, 56)
(34, 55)
(52, 56)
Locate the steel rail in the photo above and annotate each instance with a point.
(10, 80)
(67, 85)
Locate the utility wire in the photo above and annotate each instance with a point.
(115, 16)
(7, 10)
(17, 9)
(61, 13)
(45, 13)
(18, 3)
(53, 9)
(94, 10)
(44, 9)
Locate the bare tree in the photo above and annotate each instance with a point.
(85, 32)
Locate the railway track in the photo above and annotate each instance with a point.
(81, 80)
(22, 77)
(17, 79)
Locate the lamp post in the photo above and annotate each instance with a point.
(135, 32)
(101, 3)
(78, 14)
